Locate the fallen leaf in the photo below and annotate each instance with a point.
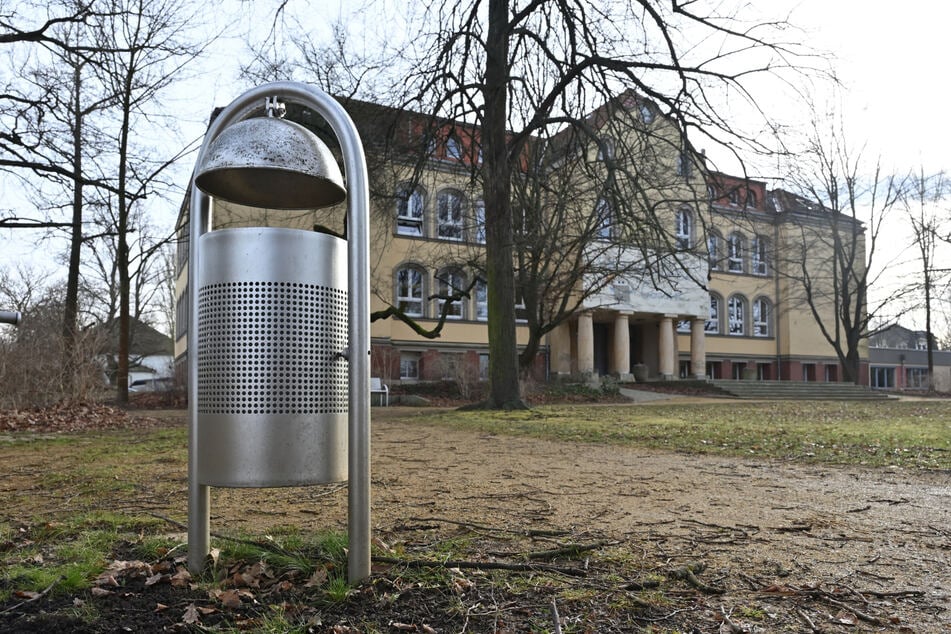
(191, 615)
(151, 581)
(96, 591)
(27, 594)
(229, 598)
(319, 578)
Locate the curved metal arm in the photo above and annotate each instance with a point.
(358, 241)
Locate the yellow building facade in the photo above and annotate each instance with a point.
(700, 290)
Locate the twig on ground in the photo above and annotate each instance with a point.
(567, 551)
(554, 616)
(482, 565)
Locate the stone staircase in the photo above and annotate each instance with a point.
(798, 391)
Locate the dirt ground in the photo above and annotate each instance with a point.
(773, 524)
(771, 535)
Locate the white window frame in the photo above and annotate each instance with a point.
(734, 247)
(410, 292)
(761, 317)
(410, 211)
(712, 325)
(409, 366)
(450, 204)
(684, 228)
(478, 215)
(713, 251)
(448, 281)
(758, 262)
(736, 316)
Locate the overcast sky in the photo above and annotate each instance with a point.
(889, 58)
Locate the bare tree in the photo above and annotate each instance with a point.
(519, 72)
(835, 225)
(925, 208)
(151, 52)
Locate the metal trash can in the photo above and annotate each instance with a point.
(272, 382)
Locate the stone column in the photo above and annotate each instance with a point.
(665, 348)
(698, 348)
(585, 344)
(560, 342)
(622, 348)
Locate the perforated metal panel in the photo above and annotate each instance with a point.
(272, 379)
(271, 348)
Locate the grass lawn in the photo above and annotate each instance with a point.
(915, 434)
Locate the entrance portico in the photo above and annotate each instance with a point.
(627, 339)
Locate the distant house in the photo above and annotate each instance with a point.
(151, 354)
(898, 360)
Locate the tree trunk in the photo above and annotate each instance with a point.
(500, 271)
(71, 303)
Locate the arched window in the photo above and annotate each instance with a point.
(762, 311)
(735, 253)
(712, 193)
(478, 221)
(448, 283)
(647, 113)
(684, 228)
(453, 148)
(410, 206)
(758, 256)
(410, 290)
(750, 198)
(714, 246)
(481, 300)
(736, 315)
(604, 219)
(712, 326)
(734, 196)
(606, 149)
(450, 205)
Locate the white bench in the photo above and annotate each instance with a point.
(377, 387)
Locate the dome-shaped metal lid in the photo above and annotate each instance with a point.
(273, 163)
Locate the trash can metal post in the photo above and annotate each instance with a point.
(358, 351)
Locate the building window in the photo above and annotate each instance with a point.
(758, 256)
(448, 283)
(735, 253)
(481, 300)
(449, 214)
(409, 366)
(734, 197)
(736, 316)
(916, 378)
(603, 219)
(761, 315)
(713, 251)
(606, 149)
(683, 325)
(647, 114)
(921, 343)
(484, 367)
(712, 325)
(684, 226)
(882, 378)
(750, 198)
(409, 211)
(683, 165)
(453, 148)
(478, 212)
(409, 291)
